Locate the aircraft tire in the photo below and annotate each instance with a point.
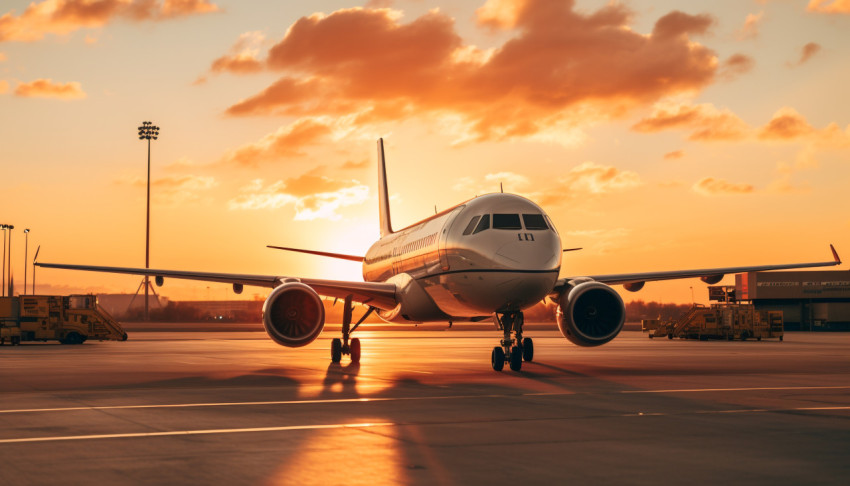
(355, 350)
(497, 358)
(336, 350)
(516, 358)
(527, 349)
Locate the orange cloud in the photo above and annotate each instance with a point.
(367, 62)
(706, 122)
(242, 58)
(593, 178)
(829, 6)
(737, 64)
(750, 29)
(676, 154)
(807, 52)
(175, 190)
(786, 124)
(709, 186)
(285, 142)
(312, 195)
(46, 88)
(65, 16)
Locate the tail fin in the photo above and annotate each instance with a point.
(383, 194)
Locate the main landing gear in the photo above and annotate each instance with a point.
(343, 346)
(514, 349)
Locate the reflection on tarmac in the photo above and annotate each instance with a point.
(425, 407)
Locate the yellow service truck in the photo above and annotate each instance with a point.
(720, 321)
(68, 319)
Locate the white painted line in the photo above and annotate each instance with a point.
(397, 399)
(236, 404)
(764, 388)
(739, 410)
(194, 432)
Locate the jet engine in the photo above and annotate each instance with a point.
(293, 315)
(590, 314)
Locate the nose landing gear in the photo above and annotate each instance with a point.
(513, 348)
(342, 346)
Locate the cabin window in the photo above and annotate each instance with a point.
(534, 222)
(483, 224)
(506, 221)
(471, 225)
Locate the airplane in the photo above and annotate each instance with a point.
(490, 257)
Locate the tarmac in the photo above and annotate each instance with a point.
(425, 407)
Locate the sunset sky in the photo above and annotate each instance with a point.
(658, 136)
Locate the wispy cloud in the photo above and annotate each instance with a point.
(706, 122)
(61, 17)
(46, 88)
(174, 190)
(709, 186)
(313, 196)
(750, 29)
(829, 6)
(807, 52)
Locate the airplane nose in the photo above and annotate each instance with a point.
(531, 251)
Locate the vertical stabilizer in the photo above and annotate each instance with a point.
(383, 194)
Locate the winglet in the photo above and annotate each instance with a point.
(383, 194)
(835, 255)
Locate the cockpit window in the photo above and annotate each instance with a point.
(534, 222)
(483, 224)
(471, 225)
(506, 221)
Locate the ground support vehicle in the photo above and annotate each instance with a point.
(719, 321)
(71, 319)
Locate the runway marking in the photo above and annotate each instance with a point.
(393, 399)
(195, 432)
(739, 410)
(766, 388)
(172, 433)
(278, 402)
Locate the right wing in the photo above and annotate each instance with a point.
(709, 275)
(375, 294)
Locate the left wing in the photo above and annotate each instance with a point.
(635, 281)
(375, 294)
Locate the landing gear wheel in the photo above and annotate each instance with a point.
(516, 358)
(497, 358)
(355, 350)
(16, 340)
(669, 336)
(780, 338)
(527, 349)
(336, 350)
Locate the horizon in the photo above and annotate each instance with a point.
(656, 139)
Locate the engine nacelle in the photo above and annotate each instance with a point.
(293, 315)
(591, 314)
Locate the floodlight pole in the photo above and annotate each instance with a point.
(11, 287)
(148, 131)
(3, 227)
(26, 248)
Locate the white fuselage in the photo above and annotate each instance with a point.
(493, 253)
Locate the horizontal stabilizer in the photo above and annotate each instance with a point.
(352, 258)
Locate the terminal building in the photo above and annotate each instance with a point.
(809, 301)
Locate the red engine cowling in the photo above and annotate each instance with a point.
(293, 315)
(591, 314)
